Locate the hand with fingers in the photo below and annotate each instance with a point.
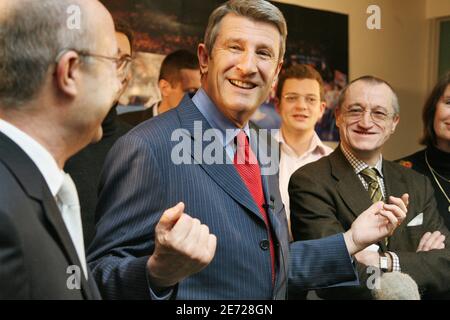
(376, 223)
(431, 241)
(183, 246)
(401, 203)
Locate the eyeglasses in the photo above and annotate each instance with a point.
(122, 62)
(292, 98)
(377, 115)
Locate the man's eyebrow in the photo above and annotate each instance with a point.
(299, 94)
(266, 47)
(380, 107)
(355, 104)
(233, 40)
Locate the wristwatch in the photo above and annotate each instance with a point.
(384, 263)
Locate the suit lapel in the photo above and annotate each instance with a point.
(349, 186)
(33, 183)
(224, 175)
(53, 215)
(395, 186)
(393, 180)
(270, 183)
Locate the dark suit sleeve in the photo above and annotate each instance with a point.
(313, 213)
(13, 284)
(127, 213)
(431, 269)
(320, 263)
(313, 216)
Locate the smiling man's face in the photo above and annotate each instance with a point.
(365, 137)
(300, 105)
(242, 67)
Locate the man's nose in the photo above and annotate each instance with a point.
(300, 103)
(247, 63)
(366, 119)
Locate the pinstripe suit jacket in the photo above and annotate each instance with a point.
(140, 181)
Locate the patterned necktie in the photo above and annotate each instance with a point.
(371, 177)
(69, 205)
(247, 166)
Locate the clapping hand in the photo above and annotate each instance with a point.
(376, 223)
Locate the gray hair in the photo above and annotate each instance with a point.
(373, 81)
(32, 34)
(258, 10)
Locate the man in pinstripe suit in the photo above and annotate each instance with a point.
(239, 62)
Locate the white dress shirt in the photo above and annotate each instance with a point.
(54, 177)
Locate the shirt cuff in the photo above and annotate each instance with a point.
(395, 262)
(164, 295)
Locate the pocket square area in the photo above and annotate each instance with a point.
(417, 221)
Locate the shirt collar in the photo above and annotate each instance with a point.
(359, 165)
(45, 162)
(216, 119)
(155, 108)
(316, 145)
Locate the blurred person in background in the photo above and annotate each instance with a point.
(434, 160)
(179, 74)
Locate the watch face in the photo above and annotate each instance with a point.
(383, 264)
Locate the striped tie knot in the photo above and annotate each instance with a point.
(370, 176)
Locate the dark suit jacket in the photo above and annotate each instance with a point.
(136, 117)
(35, 246)
(326, 197)
(439, 161)
(141, 180)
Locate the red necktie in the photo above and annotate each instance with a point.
(247, 166)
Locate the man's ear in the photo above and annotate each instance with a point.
(67, 73)
(203, 58)
(395, 122)
(164, 87)
(277, 73)
(338, 116)
(323, 106)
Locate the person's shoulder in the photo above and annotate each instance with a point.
(7, 178)
(157, 127)
(314, 169)
(413, 161)
(13, 196)
(327, 149)
(408, 170)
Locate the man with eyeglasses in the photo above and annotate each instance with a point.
(301, 103)
(56, 86)
(85, 166)
(328, 195)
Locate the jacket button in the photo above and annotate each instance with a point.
(264, 244)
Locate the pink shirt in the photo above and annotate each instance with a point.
(290, 162)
